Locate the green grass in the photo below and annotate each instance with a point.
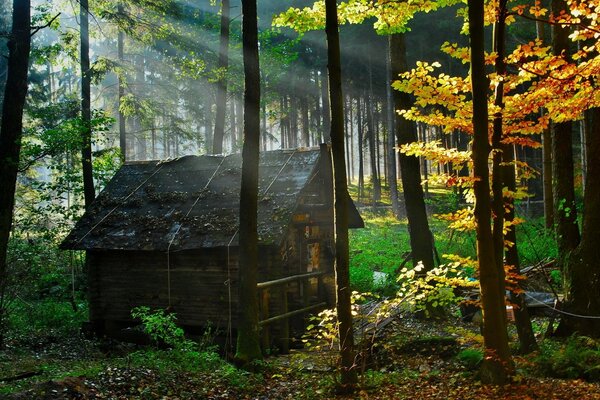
(384, 242)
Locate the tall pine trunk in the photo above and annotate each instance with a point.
(360, 139)
(222, 82)
(248, 338)
(421, 242)
(86, 112)
(376, 194)
(342, 252)
(11, 132)
(497, 363)
(121, 83)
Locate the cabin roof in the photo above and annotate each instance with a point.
(193, 202)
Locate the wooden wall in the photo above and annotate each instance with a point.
(199, 292)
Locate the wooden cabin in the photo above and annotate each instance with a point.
(164, 234)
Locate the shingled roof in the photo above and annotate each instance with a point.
(192, 202)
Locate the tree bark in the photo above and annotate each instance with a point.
(86, 112)
(305, 120)
(325, 108)
(121, 83)
(248, 339)
(582, 266)
(391, 153)
(5, 21)
(527, 342)
(342, 257)
(504, 175)
(421, 242)
(497, 364)
(222, 82)
(361, 162)
(11, 132)
(565, 212)
(372, 150)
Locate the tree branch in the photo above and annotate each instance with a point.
(578, 24)
(36, 29)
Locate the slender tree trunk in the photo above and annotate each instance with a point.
(527, 342)
(342, 257)
(121, 83)
(421, 242)
(361, 163)
(86, 112)
(392, 174)
(223, 64)
(372, 150)
(347, 101)
(582, 266)
(326, 112)
(504, 176)
(248, 340)
(140, 147)
(351, 135)
(497, 184)
(565, 212)
(497, 364)
(305, 121)
(232, 123)
(11, 132)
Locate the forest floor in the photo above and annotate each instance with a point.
(417, 360)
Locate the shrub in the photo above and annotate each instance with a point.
(577, 357)
(162, 327)
(45, 317)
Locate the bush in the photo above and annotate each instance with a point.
(577, 357)
(45, 317)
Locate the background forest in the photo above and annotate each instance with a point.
(162, 80)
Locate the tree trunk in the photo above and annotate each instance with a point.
(497, 184)
(342, 257)
(582, 266)
(325, 109)
(372, 150)
(232, 124)
(86, 111)
(504, 176)
(11, 132)
(361, 163)
(527, 342)
(121, 83)
(305, 121)
(391, 154)
(421, 242)
(223, 64)
(248, 339)
(565, 212)
(497, 364)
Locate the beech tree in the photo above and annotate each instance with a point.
(11, 130)
(248, 338)
(342, 250)
(497, 364)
